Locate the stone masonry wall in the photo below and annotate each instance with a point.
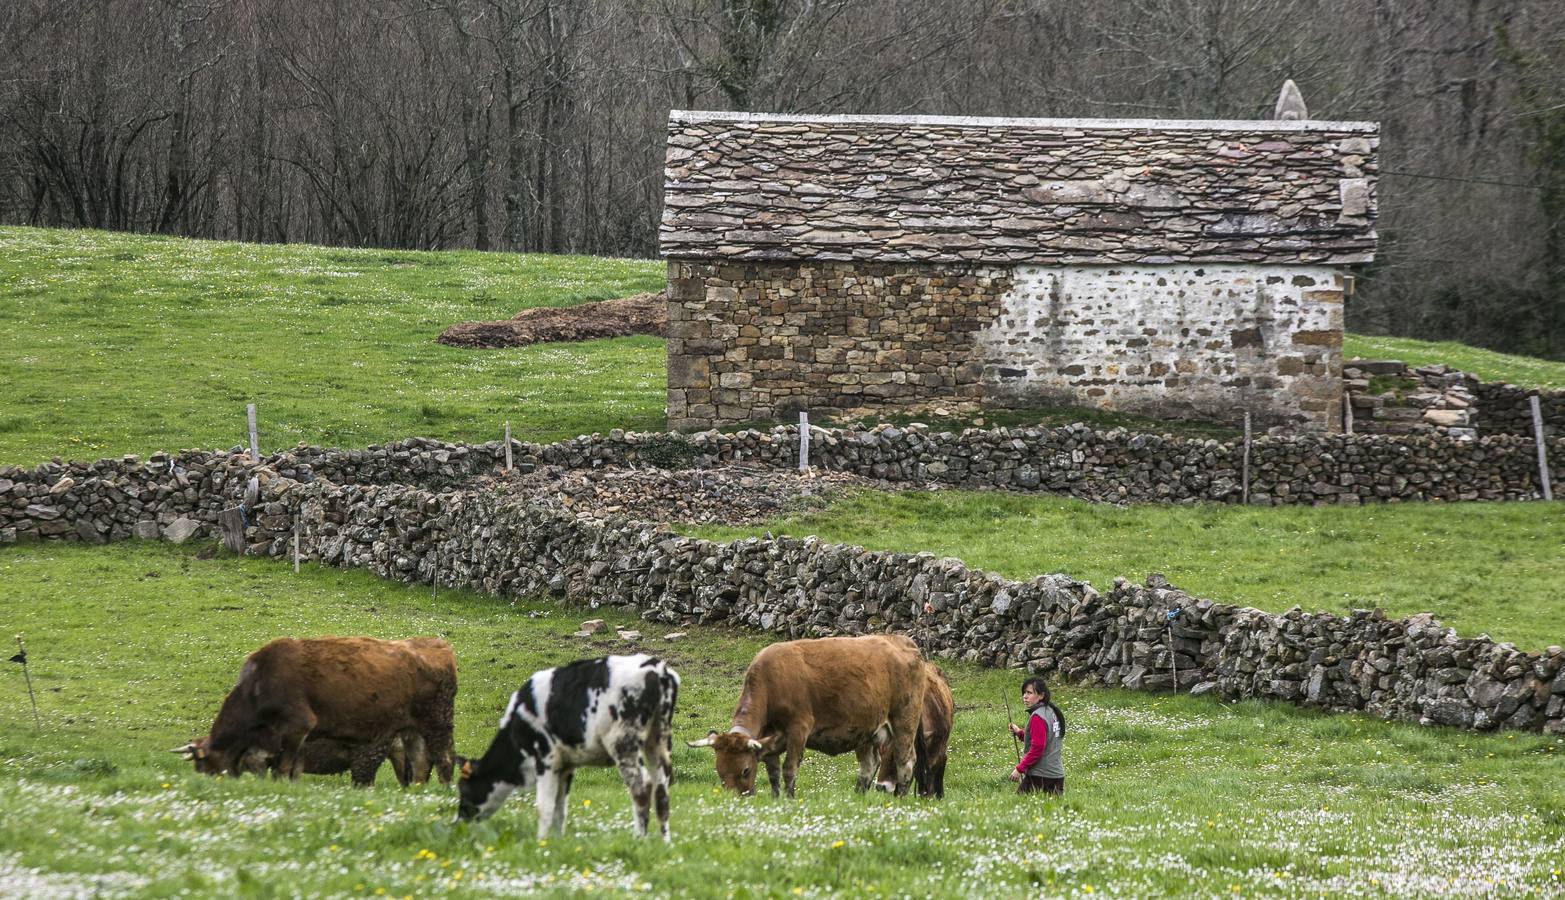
(115, 498)
(757, 341)
(1412, 669)
(1179, 341)
(1439, 397)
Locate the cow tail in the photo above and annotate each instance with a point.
(920, 759)
(669, 681)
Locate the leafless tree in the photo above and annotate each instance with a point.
(538, 124)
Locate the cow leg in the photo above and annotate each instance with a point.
(552, 793)
(904, 734)
(366, 762)
(627, 755)
(796, 738)
(562, 800)
(661, 763)
(773, 773)
(868, 755)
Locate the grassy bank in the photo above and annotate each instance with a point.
(120, 343)
(133, 645)
(1479, 567)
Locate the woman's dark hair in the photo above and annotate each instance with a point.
(1041, 688)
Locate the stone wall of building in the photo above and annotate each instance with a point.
(759, 341)
(1178, 341)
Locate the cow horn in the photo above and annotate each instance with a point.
(756, 745)
(711, 736)
(188, 751)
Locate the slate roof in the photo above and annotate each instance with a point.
(747, 186)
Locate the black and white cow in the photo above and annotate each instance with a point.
(611, 711)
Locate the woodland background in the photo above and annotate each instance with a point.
(538, 125)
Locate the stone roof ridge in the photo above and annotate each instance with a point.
(1151, 125)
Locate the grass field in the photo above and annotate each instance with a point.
(1488, 365)
(120, 343)
(133, 645)
(1479, 567)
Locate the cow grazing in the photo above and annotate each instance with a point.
(612, 711)
(351, 696)
(929, 747)
(328, 756)
(831, 695)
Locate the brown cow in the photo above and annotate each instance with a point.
(354, 692)
(831, 695)
(328, 756)
(929, 748)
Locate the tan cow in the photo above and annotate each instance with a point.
(352, 695)
(831, 695)
(929, 748)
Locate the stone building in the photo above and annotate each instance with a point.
(1167, 268)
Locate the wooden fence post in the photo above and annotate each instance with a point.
(804, 440)
(1245, 482)
(255, 446)
(1347, 412)
(508, 445)
(1543, 453)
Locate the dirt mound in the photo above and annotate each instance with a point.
(641, 314)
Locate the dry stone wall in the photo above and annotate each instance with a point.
(113, 499)
(1411, 669)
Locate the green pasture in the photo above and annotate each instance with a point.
(132, 647)
(121, 343)
(1479, 567)
(128, 344)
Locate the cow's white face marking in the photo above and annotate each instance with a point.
(476, 809)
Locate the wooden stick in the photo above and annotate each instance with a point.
(1347, 412)
(1016, 742)
(1246, 474)
(295, 546)
(21, 657)
(255, 446)
(508, 445)
(1543, 454)
(804, 440)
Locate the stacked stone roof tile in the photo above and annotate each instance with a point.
(1067, 191)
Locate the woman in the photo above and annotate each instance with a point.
(1041, 768)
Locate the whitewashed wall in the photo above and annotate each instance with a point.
(1172, 340)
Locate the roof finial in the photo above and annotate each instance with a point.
(1290, 104)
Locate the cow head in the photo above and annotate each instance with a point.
(482, 786)
(207, 760)
(738, 756)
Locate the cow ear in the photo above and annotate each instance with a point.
(711, 736)
(465, 766)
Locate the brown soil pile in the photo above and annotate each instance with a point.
(641, 314)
